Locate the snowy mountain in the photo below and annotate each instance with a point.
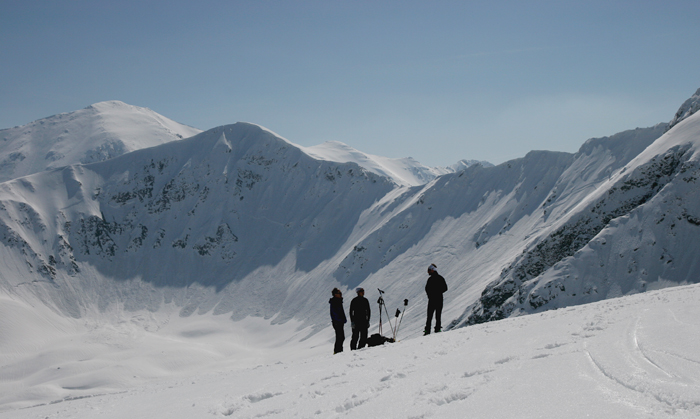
(630, 234)
(213, 212)
(109, 129)
(99, 132)
(239, 223)
(405, 172)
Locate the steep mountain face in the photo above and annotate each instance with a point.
(99, 132)
(630, 234)
(477, 223)
(188, 222)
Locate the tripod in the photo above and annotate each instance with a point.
(381, 303)
(397, 321)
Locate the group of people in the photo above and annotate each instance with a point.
(360, 312)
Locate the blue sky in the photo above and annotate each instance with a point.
(435, 80)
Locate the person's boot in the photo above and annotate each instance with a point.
(426, 332)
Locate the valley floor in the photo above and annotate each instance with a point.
(631, 357)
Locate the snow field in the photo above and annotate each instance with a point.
(631, 357)
(46, 357)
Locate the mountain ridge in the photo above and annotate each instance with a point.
(404, 171)
(98, 132)
(105, 234)
(551, 274)
(152, 199)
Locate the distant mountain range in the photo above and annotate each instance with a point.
(109, 129)
(117, 205)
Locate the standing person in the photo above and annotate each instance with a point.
(435, 287)
(338, 319)
(359, 319)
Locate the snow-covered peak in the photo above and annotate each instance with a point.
(108, 129)
(98, 132)
(460, 165)
(110, 105)
(688, 108)
(404, 171)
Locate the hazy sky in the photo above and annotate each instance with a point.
(435, 80)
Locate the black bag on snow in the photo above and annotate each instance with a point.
(377, 339)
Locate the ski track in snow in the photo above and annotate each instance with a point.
(631, 357)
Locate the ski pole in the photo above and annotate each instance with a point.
(398, 312)
(388, 319)
(379, 301)
(405, 304)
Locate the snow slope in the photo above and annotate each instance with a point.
(99, 132)
(232, 220)
(629, 234)
(630, 357)
(405, 171)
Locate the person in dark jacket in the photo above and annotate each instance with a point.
(360, 313)
(338, 319)
(435, 287)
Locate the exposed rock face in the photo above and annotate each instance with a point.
(518, 289)
(688, 108)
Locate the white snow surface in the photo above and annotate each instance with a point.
(404, 171)
(629, 357)
(101, 131)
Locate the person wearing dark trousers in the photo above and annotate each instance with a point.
(338, 319)
(360, 313)
(435, 287)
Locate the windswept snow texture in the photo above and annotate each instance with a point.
(99, 132)
(631, 357)
(405, 172)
